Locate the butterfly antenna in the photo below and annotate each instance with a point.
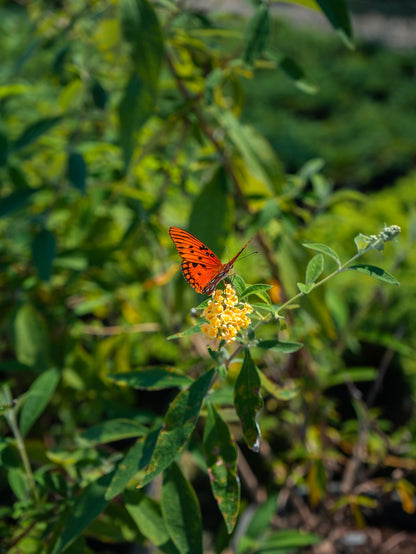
(249, 254)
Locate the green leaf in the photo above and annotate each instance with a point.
(337, 13)
(18, 482)
(376, 272)
(280, 392)
(277, 345)
(295, 72)
(113, 430)
(258, 525)
(133, 462)
(181, 512)
(43, 253)
(30, 338)
(147, 515)
(324, 249)
(248, 401)
(135, 108)
(155, 378)
(34, 131)
(355, 375)
(257, 34)
(260, 160)
(286, 539)
(239, 284)
(212, 226)
(255, 289)
(314, 268)
(221, 458)
(37, 398)
(77, 171)
(188, 332)
(178, 424)
(142, 32)
(16, 200)
(86, 507)
(363, 241)
(305, 289)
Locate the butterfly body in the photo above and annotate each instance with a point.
(201, 268)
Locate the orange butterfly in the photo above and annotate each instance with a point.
(201, 268)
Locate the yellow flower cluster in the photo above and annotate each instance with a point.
(224, 317)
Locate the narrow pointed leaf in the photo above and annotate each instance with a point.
(147, 515)
(114, 430)
(337, 13)
(142, 32)
(221, 459)
(248, 402)
(254, 289)
(37, 398)
(376, 272)
(155, 378)
(77, 171)
(194, 330)
(17, 199)
(257, 33)
(288, 539)
(87, 506)
(34, 131)
(43, 253)
(30, 337)
(276, 345)
(134, 461)
(178, 425)
(314, 269)
(181, 512)
(323, 249)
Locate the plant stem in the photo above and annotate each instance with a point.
(12, 421)
(340, 269)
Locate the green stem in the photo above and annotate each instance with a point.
(12, 421)
(340, 269)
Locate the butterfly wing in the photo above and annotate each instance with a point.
(200, 266)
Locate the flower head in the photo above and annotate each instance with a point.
(225, 315)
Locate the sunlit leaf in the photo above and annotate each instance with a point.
(286, 347)
(314, 269)
(324, 249)
(37, 398)
(376, 272)
(30, 337)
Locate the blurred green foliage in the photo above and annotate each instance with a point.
(118, 120)
(362, 115)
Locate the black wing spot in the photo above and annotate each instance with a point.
(195, 264)
(212, 254)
